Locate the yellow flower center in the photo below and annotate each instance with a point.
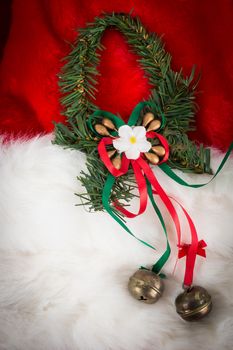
(132, 139)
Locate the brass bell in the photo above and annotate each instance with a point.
(146, 286)
(193, 304)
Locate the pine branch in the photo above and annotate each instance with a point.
(173, 96)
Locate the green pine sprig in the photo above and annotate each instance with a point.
(172, 94)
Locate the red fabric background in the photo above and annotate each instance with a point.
(195, 32)
(5, 14)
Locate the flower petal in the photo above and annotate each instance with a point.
(125, 131)
(132, 153)
(121, 144)
(143, 145)
(139, 132)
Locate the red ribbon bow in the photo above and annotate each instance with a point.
(140, 168)
(184, 249)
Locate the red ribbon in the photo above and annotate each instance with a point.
(190, 250)
(141, 170)
(184, 249)
(141, 183)
(106, 160)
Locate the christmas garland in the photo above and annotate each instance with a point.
(119, 155)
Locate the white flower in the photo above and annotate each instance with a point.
(132, 141)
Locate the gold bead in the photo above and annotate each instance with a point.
(117, 162)
(193, 304)
(198, 169)
(108, 123)
(146, 286)
(154, 125)
(80, 88)
(148, 117)
(111, 153)
(183, 162)
(159, 150)
(153, 158)
(101, 130)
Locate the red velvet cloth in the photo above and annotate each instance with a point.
(5, 12)
(195, 32)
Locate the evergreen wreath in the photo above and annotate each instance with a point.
(172, 100)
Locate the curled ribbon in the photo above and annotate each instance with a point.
(139, 166)
(190, 250)
(144, 179)
(147, 185)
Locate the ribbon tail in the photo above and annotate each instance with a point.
(201, 248)
(167, 202)
(141, 184)
(182, 253)
(191, 256)
(192, 251)
(157, 267)
(167, 170)
(106, 204)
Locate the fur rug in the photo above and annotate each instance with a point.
(64, 271)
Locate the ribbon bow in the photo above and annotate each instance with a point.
(147, 186)
(184, 249)
(141, 171)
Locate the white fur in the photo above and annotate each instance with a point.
(64, 271)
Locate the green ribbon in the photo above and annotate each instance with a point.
(111, 179)
(105, 199)
(100, 114)
(118, 121)
(164, 167)
(167, 170)
(136, 113)
(157, 267)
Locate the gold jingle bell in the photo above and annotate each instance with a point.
(193, 304)
(146, 286)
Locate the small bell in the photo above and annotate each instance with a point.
(108, 124)
(148, 117)
(146, 286)
(154, 125)
(193, 304)
(101, 129)
(153, 158)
